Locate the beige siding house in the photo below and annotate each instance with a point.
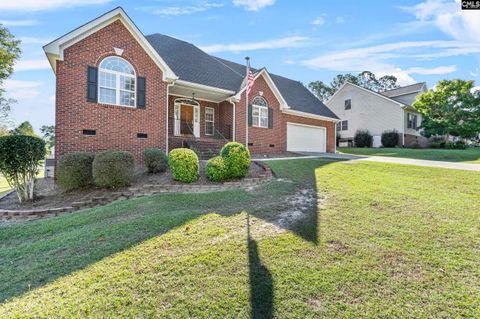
(363, 109)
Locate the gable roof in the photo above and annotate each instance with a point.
(366, 90)
(297, 96)
(54, 50)
(408, 89)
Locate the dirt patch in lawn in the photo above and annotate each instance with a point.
(48, 195)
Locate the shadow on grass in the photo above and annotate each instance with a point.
(35, 253)
(261, 281)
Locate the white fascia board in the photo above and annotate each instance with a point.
(263, 72)
(309, 115)
(54, 50)
(203, 87)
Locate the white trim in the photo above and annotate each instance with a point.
(196, 110)
(233, 119)
(308, 125)
(260, 107)
(55, 49)
(309, 115)
(118, 89)
(271, 84)
(213, 121)
(168, 111)
(366, 90)
(198, 99)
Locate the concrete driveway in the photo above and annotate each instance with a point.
(399, 160)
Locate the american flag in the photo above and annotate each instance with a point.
(250, 79)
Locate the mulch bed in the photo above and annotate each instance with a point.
(50, 196)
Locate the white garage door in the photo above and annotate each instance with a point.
(306, 138)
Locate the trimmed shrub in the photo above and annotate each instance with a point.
(390, 138)
(237, 159)
(19, 162)
(155, 160)
(113, 169)
(363, 138)
(74, 170)
(216, 169)
(184, 165)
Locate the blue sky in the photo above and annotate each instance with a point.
(417, 40)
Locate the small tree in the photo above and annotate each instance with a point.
(19, 162)
(363, 138)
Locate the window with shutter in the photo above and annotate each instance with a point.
(117, 82)
(260, 112)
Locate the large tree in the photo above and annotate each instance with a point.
(24, 128)
(364, 79)
(9, 53)
(452, 109)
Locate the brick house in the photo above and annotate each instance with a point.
(117, 89)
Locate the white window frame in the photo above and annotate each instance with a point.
(340, 126)
(117, 84)
(212, 121)
(259, 109)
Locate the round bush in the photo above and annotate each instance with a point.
(237, 159)
(216, 169)
(363, 138)
(113, 169)
(155, 160)
(74, 170)
(184, 165)
(19, 159)
(390, 138)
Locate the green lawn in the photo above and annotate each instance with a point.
(470, 155)
(387, 241)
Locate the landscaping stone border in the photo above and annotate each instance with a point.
(133, 192)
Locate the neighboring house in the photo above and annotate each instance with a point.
(363, 109)
(118, 89)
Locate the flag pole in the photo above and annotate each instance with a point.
(247, 59)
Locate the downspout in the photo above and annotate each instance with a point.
(168, 100)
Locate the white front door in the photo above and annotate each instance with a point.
(306, 138)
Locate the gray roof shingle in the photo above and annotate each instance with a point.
(413, 88)
(191, 64)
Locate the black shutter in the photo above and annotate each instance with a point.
(92, 79)
(141, 92)
(250, 116)
(270, 117)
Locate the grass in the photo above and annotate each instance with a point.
(470, 155)
(387, 241)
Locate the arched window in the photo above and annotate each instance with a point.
(259, 112)
(117, 82)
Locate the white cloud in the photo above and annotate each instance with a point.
(378, 59)
(22, 90)
(319, 20)
(18, 23)
(32, 40)
(44, 5)
(288, 42)
(340, 20)
(446, 15)
(30, 65)
(253, 5)
(429, 71)
(180, 10)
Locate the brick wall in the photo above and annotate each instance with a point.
(116, 126)
(273, 140)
